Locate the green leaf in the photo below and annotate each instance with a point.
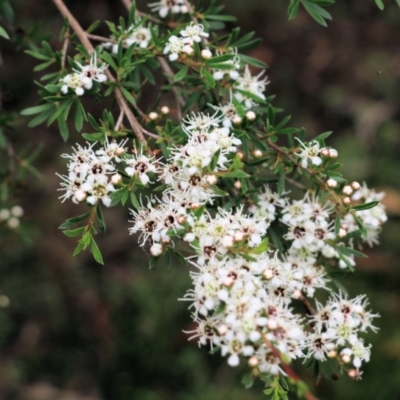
(36, 109)
(218, 191)
(293, 9)
(181, 74)
(261, 248)
(316, 12)
(96, 252)
(63, 127)
(220, 59)
(208, 77)
(73, 221)
(281, 180)
(100, 219)
(236, 174)
(127, 95)
(365, 206)
(229, 18)
(380, 4)
(74, 232)
(347, 251)
(134, 200)
(248, 380)
(4, 33)
(61, 111)
(360, 225)
(253, 61)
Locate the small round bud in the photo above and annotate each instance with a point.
(4, 214)
(348, 190)
(222, 329)
(153, 116)
(17, 211)
(4, 301)
(333, 153)
(297, 294)
(228, 282)
(253, 361)
(239, 236)
(119, 151)
(189, 50)
(156, 249)
(324, 152)
(116, 179)
(237, 184)
(206, 54)
(227, 241)
(251, 115)
(346, 200)
(237, 120)
(257, 153)
(355, 185)
(345, 358)
(331, 183)
(181, 219)
(13, 222)
(268, 274)
(342, 233)
(332, 354)
(80, 195)
(272, 324)
(212, 179)
(240, 154)
(194, 206)
(164, 110)
(354, 374)
(345, 226)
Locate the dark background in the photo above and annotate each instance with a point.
(75, 330)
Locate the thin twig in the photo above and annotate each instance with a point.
(65, 50)
(288, 370)
(100, 38)
(119, 121)
(82, 36)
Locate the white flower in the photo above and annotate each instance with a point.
(193, 33)
(164, 6)
(175, 46)
(309, 154)
(140, 35)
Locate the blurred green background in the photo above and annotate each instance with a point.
(75, 330)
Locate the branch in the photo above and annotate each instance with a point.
(82, 36)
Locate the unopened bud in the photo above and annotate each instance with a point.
(80, 195)
(345, 226)
(181, 219)
(253, 361)
(153, 115)
(345, 358)
(268, 274)
(331, 183)
(164, 110)
(257, 153)
(212, 179)
(227, 241)
(206, 54)
(156, 250)
(17, 211)
(228, 282)
(116, 179)
(348, 190)
(342, 233)
(251, 115)
(332, 354)
(237, 120)
(189, 50)
(297, 294)
(355, 185)
(4, 214)
(13, 222)
(222, 329)
(194, 206)
(346, 200)
(240, 154)
(237, 184)
(272, 324)
(324, 152)
(239, 236)
(333, 153)
(119, 151)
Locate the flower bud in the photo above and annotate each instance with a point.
(355, 185)
(345, 358)
(237, 184)
(240, 154)
(17, 211)
(346, 200)
(348, 190)
(345, 226)
(228, 282)
(331, 183)
(268, 274)
(324, 152)
(222, 329)
(164, 110)
(119, 151)
(342, 233)
(181, 219)
(332, 354)
(13, 222)
(4, 301)
(333, 153)
(4, 214)
(239, 236)
(297, 294)
(257, 153)
(206, 54)
(80, 195)
(116, 179)
(253, 361)
(272, 324)
(237, 120)
(251, 115)
(153, 116)
(212, 179)
(156, 249)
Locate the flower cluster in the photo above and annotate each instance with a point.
(184, 44)
(11, 216)
(165, 6)
(83, 77)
